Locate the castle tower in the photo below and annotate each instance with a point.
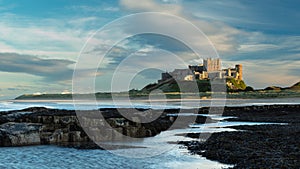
(212, 64)
(239, 69)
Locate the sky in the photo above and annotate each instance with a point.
(41, 42)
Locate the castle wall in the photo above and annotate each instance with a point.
(210, 69)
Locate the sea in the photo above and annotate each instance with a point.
(148, 153)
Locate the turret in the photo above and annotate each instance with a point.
(239, 69)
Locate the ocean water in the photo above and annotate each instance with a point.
(56, 157)
(86, 105)
(153, 152)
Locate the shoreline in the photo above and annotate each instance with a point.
(109, 100)
(261, 146)
(141, 100)
(253, 147)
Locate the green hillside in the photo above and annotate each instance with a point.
(189, 86)
(184, 86)
(234, 84)
(295, 87)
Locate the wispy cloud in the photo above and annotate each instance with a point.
(112, 9)
(83, 20)
(49, 69)
(257, 47)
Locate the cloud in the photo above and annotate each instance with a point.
(83, 20)
(258, 15)
(282, 48)
(17, 87)
(49, 69)
(112, 9)
(233, 27)
(12, 89)
(94, 9)
(150, 6)
(260, 41)
(34, 37)
(223, 36)
(149, 51)
(257, 47)
(62, 38)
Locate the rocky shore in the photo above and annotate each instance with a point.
(40, 126)
(262, 146)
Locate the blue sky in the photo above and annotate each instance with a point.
(41, 40)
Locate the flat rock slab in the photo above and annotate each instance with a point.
(20, 128)
(20, 134)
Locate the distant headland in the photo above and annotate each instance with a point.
(177, 84)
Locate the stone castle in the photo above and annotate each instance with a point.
(210, 69)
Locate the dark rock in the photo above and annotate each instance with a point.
(65, 127)
(262, 146)
(20, 134)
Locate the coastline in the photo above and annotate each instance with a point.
(142, 100)
(252, 147)
(261, 146)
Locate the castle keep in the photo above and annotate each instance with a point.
(210, 69)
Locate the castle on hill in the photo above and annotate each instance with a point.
(210, 69)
